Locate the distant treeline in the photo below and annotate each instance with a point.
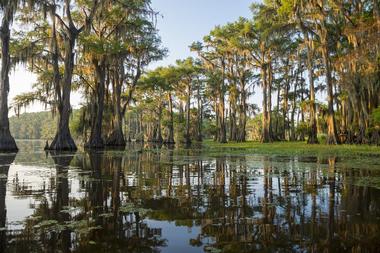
(43, 125)
(38, 125)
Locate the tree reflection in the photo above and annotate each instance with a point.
(5, 161)
(105, 200)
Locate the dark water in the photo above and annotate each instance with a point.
(151, 199)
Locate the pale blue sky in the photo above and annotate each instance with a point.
(186, 21)
(182, 22)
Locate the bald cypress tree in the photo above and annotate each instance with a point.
(8, 10)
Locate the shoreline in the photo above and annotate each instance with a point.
(295, 148)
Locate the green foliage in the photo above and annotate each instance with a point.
(302, 128)
(41, 125)
(255, 128)
(209, 128)
(286, 7)
(291, 148)
(334, 43)
(33, 126)
(375, 118)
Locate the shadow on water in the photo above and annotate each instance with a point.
(161, 199)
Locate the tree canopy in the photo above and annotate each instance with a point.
(316, 64)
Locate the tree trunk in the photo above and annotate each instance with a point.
(278, 112)
(7, 142)
(63, 140)
(158, 137)
(170, 139)
(265, 119)
(216, 137)
(243, 114)
(331, 126)
(376, 12)
(344, 120)
(233, 134)
(285, 108)
(96, 140)
(141, 127)
(301, 137)
(222, 120)
(187, 134)
(313, 130)
(116, 138)
(269, 82)
(294, 105)
(200, 116)
(222, 109)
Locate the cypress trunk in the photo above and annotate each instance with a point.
(63, 140)
(116, 138)
(242, 127)
(293, 135)
(233, 121)
(243, 114)
(313, 129)
(187, 134)
(200, 116)
(269, 101)
(278, 112)
(222, 120)
(170, 139)
(96, 140)
(158, 137)
(216, 137)
(222, 108)
(265, 119)
(331, 126)
(285, 110)
(7, 142)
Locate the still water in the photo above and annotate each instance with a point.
(157, 199)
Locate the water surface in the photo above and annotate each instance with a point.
(158, 199)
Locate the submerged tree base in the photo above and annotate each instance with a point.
(116, 139)
(62, 161)
(7, 142)
(375, 138)
(313, 139)
(63, 142)
(95, 144)
(331, 140)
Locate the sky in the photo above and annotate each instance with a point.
(186, 21)
(181, 22)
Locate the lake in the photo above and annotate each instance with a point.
(170, 200)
